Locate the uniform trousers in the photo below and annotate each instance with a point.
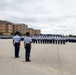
(27, 52)
(17, 47)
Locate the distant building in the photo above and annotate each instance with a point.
(31, 31)
(37, 32)
(6, 28)
(34, 31)
(22, 28)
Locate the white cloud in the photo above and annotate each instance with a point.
(56, 16)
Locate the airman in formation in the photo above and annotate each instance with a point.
(49, 39)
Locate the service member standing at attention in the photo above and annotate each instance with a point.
(27, 46)
(16, 43)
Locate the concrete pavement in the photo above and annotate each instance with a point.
(47, 59)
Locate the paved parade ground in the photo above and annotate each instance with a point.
(46, 59)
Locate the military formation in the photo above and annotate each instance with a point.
(49, 40)
(36, 39)
(41, 39)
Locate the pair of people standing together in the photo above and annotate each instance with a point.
(27, 45)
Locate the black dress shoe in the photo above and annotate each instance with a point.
(17, 57)
(28, 60)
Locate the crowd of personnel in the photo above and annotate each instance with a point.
(37, 39)
(48, 40)
(52, 39)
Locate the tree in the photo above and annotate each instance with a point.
(0, 33)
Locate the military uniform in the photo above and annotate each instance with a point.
(27, 45)
(16, 43)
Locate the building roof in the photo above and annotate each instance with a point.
(18, 24)
(31, 28)
(5, 22)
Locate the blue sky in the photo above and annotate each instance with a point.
(51, 16)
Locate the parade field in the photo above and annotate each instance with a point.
(46, 59)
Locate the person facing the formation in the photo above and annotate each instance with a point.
(16, 44)
(27, 46)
